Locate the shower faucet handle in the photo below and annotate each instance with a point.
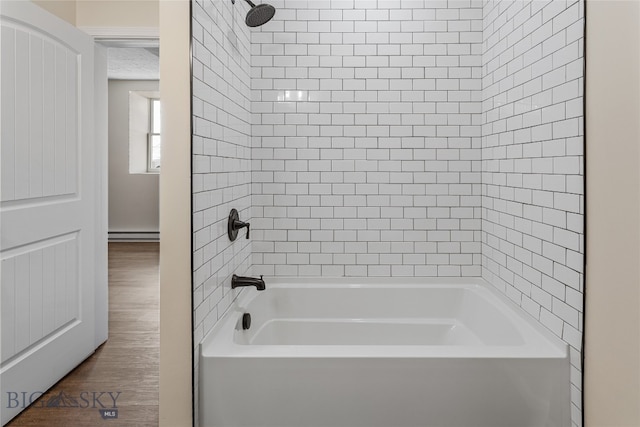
(235, 224)
(246, 224)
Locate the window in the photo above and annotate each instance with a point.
(153, 140)
(144, 132)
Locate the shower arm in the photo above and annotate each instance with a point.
(248, 1)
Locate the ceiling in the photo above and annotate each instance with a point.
(133, 63)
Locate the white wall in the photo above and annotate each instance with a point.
(64, 9)
(105, 13)
(366, 139)
(221, 157)
(532, 156)
(133, 198)
(176, 350)
(117, 13)
(612, 325)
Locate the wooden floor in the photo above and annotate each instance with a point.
(127, 363)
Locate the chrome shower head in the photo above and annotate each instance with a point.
(258, 15)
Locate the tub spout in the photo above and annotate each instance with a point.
(238, 281)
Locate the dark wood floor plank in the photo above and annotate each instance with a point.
(127, 363)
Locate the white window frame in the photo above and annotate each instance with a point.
(140, 122)
(150, 136)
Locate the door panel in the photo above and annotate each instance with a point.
(7, 109)
(47, 201)
(39, 307)
(42, 149)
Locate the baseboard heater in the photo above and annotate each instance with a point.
(134, 236)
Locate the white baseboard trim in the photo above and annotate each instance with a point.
(134, 236)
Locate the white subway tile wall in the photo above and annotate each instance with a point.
(532, 164)
(221, 149)
(366, 138)
(393, 138)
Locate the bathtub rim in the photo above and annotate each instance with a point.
(540, 342)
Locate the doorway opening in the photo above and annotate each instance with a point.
(133, 73)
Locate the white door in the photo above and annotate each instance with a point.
(47, 202)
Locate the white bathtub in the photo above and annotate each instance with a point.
(374, 353)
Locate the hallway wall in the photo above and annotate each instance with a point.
(134, 201)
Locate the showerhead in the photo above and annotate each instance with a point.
(258, 15)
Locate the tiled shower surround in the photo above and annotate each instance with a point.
(532, 164)
(221, 165)
(393, 138)
(366, 139)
